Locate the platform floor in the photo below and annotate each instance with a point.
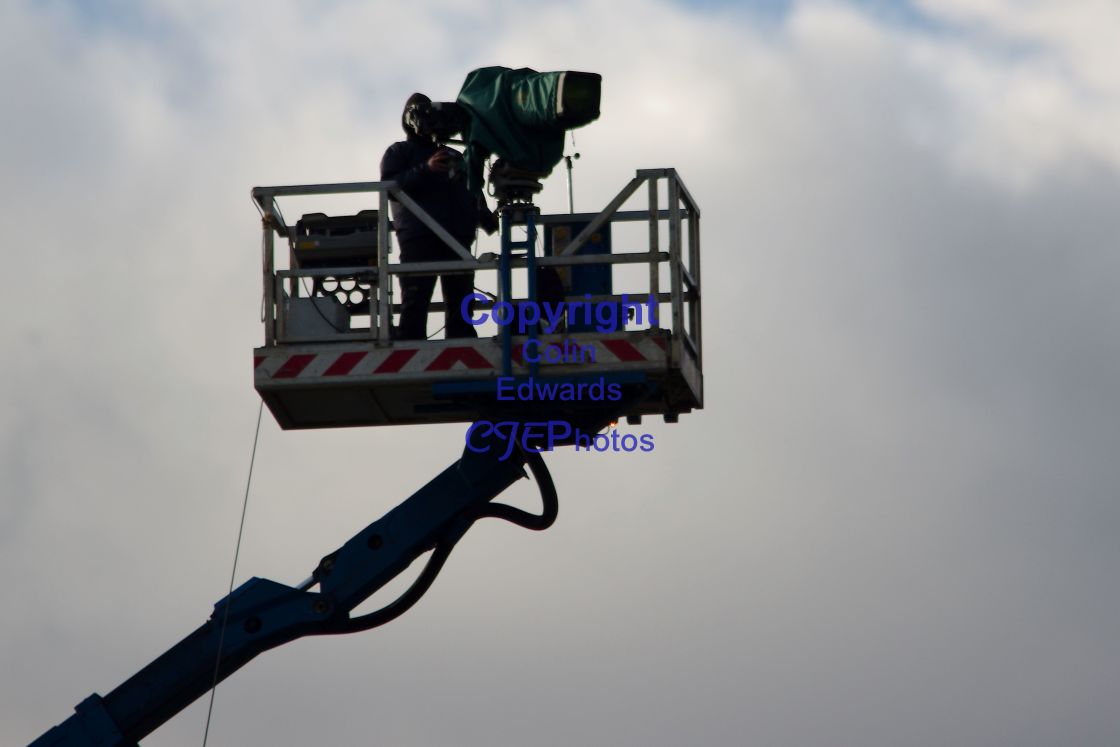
(333, 384)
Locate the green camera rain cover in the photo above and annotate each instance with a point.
(522, 115)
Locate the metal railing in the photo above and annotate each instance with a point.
(681, 214)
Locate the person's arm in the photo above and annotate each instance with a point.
(487, 218)
(412, 179)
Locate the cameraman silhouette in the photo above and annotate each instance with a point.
(431, 174)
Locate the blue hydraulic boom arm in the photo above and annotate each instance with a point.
(262, 614)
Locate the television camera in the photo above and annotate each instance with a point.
(519, 115)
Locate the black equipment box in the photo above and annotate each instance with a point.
(339, 241)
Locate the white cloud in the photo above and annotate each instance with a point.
(1032, 82)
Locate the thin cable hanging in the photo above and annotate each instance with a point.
(232, 575)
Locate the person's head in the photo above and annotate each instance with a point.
(410, 122)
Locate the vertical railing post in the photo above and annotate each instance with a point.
(694, 269)
(505, 286)
(531, 267)
(281, 310)
(384, 278)
(654, 240)
(293, 266)
(267, 266)
(675, 265)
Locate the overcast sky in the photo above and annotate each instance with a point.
(894, 523)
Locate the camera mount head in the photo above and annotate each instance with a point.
(512, 185)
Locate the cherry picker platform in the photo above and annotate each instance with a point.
(329, 359)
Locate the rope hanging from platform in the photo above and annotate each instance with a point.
(233, 573)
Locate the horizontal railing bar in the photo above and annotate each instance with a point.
(622, 216)
(630, 258)
(357, 334)
(452, 266)
(432, 268)
(320, 189)
(361, 273)
(264, 197)
(437, 306)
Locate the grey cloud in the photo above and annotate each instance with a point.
(893, 524)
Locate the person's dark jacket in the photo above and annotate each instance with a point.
(446, 200)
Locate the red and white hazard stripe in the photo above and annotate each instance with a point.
(481, 357)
